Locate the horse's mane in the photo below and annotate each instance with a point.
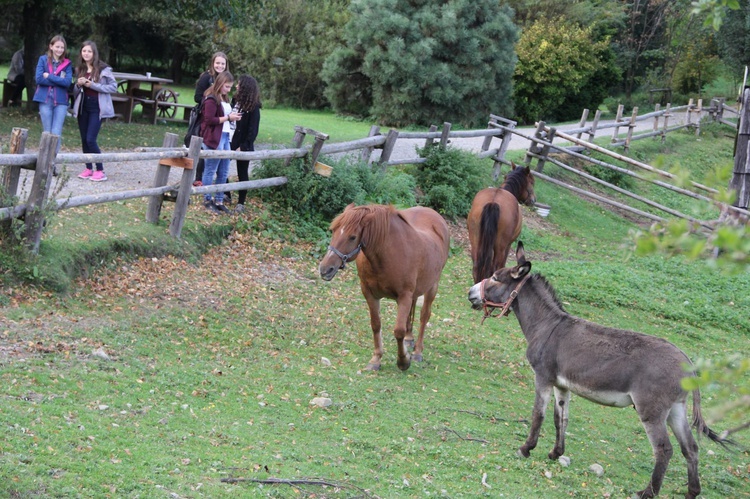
(374, 221)
(515, 182)
(550, 290)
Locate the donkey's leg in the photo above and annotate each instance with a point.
(374, 305)
(656, 429)
(424, 318)
(543, 394)
(562, 403)
(404, 303)
(678, 421)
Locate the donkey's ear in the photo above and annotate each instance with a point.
(521, 270)
(520, 254)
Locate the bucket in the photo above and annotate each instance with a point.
(542, 209)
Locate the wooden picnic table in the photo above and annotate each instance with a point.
(145, 90)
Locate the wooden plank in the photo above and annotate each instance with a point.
(37, 201)
(160, 179)
(185, 163)
(183, 194)
(11, 176)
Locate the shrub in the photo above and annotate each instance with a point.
(449, 179)
(313, 201)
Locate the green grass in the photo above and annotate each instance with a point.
(213, 366)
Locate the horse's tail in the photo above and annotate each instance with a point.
(487, 234)
(700, 424)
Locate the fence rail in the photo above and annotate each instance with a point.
(171, 156)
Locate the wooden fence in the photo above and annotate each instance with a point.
(172, 156)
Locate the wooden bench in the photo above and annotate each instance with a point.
(176, 106)
(123, 105)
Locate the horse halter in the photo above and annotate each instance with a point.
(489, 306)
(348, 256)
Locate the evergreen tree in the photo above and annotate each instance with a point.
(424, 61)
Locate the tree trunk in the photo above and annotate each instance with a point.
(36, 19)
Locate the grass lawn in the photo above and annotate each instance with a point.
(190, 371)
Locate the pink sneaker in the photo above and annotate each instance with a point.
(98, 176)
(86, 173)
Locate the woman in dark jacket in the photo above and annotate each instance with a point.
(247, 102)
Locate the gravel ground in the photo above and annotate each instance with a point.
(130, 175)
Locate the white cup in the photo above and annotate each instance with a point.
(148, 75)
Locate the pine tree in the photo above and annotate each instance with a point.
(424, 62)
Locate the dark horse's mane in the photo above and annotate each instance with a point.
(373, 220)
(515, 182)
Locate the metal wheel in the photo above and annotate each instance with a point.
(169, 96)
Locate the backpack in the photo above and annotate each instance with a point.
(194, 123)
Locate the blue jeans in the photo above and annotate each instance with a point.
(53, 119)
(89, 125)
(218, 168)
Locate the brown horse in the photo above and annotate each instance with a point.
(612, 367)
(400, 255)
(495, 220)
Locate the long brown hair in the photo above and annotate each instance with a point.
(221, 79)
(96, 63)
(247, 96)
(53, 40)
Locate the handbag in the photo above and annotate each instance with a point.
(194, 123)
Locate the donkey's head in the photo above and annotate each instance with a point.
(502, 287)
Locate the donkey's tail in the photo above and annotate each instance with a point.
(487, 234)
(700, 424)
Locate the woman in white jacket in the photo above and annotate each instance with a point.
(93, 102)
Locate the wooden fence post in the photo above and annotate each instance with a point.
(618, 118)
(631, 127)
(37, 201)
(11, 176)
(594, 125)
(667, 115)
(584, 117)
(444, 137)
(320, 138)
(429, 140)
(506, 137)
(488, 139)
(534, 146)
(740, 182)
(160, 180)
(366, 154)
(299, 138)
(545, 149)
(390, 143)
(699, 110)
(186, 187)
(657, 108)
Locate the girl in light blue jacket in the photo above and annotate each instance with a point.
(93, 91)
(54, 75)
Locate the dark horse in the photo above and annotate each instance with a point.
(495, 220)
(612, 367)
(400, 255)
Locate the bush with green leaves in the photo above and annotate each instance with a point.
(314, 200)
(561, 69)
(450, 178)
(424, 62)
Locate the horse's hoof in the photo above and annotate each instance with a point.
(372, 367)
(416, 357)
(404, 365)
(646, 493)
(523, 453)
(409, 344)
